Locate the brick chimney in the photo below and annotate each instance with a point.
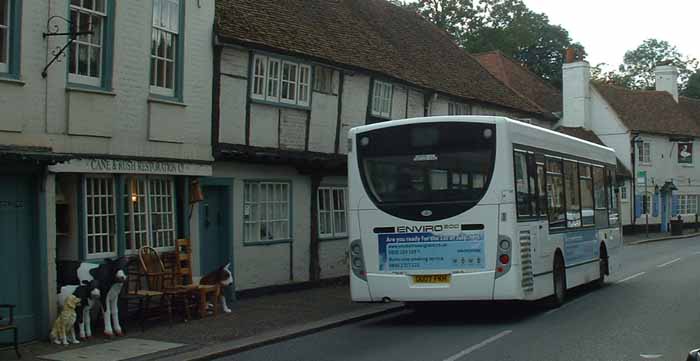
(576, 92)
(667, 79)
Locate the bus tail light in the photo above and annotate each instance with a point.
(357, 261)
(503, 256)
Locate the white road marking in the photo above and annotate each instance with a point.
(567, 304)
(696, 253)
(631, 277)
(650, 356)
(479, 345)
(669, 262)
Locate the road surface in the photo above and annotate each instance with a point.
(649, 310)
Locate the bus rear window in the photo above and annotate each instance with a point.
(427, 163)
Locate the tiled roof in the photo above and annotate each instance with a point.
(581, 133)
(648, 111)
(589, 135)
(691, 107)
(368, 34)
(522, 81)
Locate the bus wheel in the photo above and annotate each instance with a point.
(559, 277)
(603, 266)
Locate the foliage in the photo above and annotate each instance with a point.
(692, 87)
(637, 70)
(505, 25)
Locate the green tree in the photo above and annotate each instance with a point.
(638, 67)
(692, 87)
(505, 25)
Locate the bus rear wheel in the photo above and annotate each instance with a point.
(559, 280)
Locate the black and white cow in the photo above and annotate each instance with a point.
(110, 276)
(223, 277)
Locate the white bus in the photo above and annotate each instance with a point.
(477, 208)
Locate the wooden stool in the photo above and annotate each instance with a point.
(203, 291)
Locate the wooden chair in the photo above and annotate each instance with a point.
(9, 325)
(161, 283)
(142, 298)
(183, 252)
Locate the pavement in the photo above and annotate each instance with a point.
(643, 237)
(647, 310)
(253, 322)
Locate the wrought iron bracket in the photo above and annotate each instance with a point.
(53, 29)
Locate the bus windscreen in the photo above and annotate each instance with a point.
(427, 163)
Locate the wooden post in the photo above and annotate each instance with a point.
(314, 259)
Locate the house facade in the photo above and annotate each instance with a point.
(655, 134)
(290, 80)
(106, 120)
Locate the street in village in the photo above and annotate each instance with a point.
(649, 310)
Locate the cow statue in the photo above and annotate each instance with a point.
(88, 294)
(110, 276)
(223, 277)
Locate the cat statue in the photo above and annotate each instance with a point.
(63, 330)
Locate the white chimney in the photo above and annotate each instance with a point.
(577, 95)
(667, 80)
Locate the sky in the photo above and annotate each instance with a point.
(608, 28)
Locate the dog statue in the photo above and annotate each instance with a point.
(63, 330)
(223, 277)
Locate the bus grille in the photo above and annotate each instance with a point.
(526, 262)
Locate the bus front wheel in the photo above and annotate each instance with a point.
(603, 266)
(559, 277)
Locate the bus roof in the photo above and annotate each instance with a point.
(519, 132)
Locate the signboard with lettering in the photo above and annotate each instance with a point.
(132, 166)
(685, 153)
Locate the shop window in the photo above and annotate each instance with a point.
(100, 215)
(149, 213)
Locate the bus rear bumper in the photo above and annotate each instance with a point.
(462, 286)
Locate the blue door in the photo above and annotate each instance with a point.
(214, 222)
(19, 254)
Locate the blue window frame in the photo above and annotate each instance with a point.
(10, 25)
(167, 48)
(90, 56)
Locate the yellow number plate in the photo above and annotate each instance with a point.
(431, 279)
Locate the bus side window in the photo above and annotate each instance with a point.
(573, 200)
(586, 186)
(613, 216)
(555, 194)
(541, 190)
(522, 185)
(600, 197)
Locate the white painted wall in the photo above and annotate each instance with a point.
(44, 112)
(324, 121)
(266, 265)
(398, 102)
(354, 112)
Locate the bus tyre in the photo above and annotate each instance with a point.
(559, 279)
(603, 267)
